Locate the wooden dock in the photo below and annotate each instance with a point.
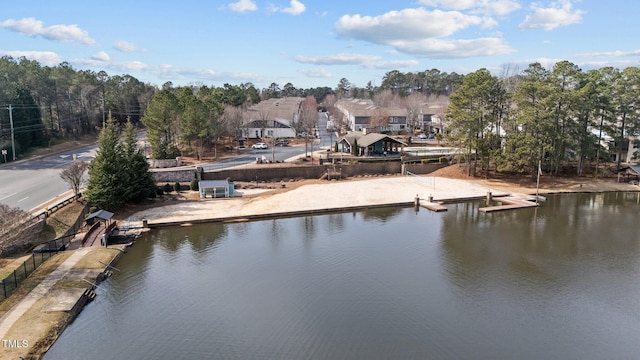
(433, 206)
(509, 203)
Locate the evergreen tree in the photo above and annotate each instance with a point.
(475, 112)
(139, 182)
(162, 122)
(107, 183)
(119, 174)
(529, 131)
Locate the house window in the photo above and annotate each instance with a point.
(269, 133)
(257, 134)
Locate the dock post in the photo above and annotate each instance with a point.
(416, 201)
(144, 223)
(430, 199)
(489, 196)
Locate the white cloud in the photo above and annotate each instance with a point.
(316, 73)
(394, 64)
(496, 7)
(123, 66)
(441, 48)
(407, 24)
(47, 58)
(125, 46)
(63, 33)
(560, 13)
(423, 33)
(338, 59)
(365, 61)
(243, 6)
(612, 54)
(165, 71)
(101, 56)
(295, 8)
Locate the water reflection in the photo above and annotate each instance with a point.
(558, 281)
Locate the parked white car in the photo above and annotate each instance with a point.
(260, 146)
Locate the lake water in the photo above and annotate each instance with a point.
(557, 282)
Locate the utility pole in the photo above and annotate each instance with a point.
(13, 141)
(103, 119)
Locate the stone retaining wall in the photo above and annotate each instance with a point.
(280, 172)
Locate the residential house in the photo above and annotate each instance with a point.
(372, 144)
(364, 115)
(273, 118)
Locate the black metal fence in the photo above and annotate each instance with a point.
(11, 282)
(43, 251)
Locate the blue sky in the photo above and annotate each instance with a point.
(316, 43)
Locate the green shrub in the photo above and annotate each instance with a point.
(194, 185)
(159, 191)
(167, 188)
(176, 187)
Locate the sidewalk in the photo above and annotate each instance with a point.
(7, 321)
(35, 319)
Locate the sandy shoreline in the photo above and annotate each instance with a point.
(354, 193)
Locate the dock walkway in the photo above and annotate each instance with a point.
(509, 203)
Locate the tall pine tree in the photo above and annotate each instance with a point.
(106, 172)
(119, 174)
(140, 183)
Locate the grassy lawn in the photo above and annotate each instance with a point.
(33, 280)
(38, 326)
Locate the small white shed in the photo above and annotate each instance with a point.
(215, 188)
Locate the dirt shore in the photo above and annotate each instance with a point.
(317, 196)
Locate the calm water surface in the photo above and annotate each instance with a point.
(558, 282)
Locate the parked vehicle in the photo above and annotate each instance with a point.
(282, 142)
(260, 145)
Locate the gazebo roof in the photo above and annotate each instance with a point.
(100, 214)
(633, 168)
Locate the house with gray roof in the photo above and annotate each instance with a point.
(273, 118)
(372, 144)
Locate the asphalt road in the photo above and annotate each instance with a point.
(28, 184)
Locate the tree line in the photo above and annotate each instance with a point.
(52, 103)
(551, 117)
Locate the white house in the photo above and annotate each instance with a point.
(362, 114)
(273, 118)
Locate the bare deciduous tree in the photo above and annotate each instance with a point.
(413, 104)
(379, 118)
(10, 217)
(234, 120)
(74, 175)
(16, 230)
(308, 118)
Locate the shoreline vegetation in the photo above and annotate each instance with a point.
(41, 332)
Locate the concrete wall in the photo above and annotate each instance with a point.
(267, 173)
(185, 175)
(422, 169)
(280, 172)
(164, 163)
